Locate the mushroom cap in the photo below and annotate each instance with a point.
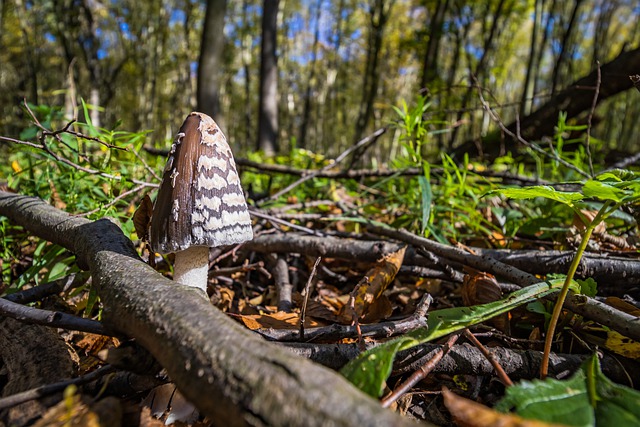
(200, 202)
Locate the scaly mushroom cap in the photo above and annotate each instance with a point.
(200, 202)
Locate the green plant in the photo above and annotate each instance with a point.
(614, 189)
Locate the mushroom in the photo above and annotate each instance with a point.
(200, 204)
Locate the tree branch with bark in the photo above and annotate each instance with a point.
(232, 375)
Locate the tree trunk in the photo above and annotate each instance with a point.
(229, 373)
(564, 46)
(430, 63)
(210, 61)
(306, 110)
(268, 114)
(378, 16)
(526, 101)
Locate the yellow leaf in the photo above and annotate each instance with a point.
(373, 285)
(16, 166)
(622, 345)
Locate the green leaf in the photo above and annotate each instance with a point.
(551, 400)
(370, 370)
(615, 404)
(588, 287)
(375, 367)
(545, 191)
(604, 191)
(588, 398)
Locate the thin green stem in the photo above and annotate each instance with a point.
(562, 296)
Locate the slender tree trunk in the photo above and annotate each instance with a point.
(486, 49)
(378, 15)
(527, 91)
(306, 110)
(268, 114)
(430, 63)
(210, 61)
(32, 59)
(333, 110)
(564, 46)
(246, 66)
(543, 44)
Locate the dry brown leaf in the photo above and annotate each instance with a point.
(93, 343)
(167, 400)
(467, 413)
(622, 305)
(373, 285)
(279, 320)
(74, 411)
(481, 288)
(142, 218)
(55, 197)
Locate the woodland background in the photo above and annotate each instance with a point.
(372, 137)
(341, 65)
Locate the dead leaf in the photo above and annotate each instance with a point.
(622, 305)
(467, 413)
(92, 343)
(279, 320)
(373, 285)
(142, 218)
(55, 197)
(76, 411)
(481, 288)
(167, 400)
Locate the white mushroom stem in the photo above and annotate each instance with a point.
(191, 267)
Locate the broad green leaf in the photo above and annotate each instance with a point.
(370, 370)
(545, 191)
(588, 398)
(551, 400)
(588, 287)
(615, 404)
(604, 191)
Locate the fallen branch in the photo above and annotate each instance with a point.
(227, 372)
(55, 319)
(593, 309)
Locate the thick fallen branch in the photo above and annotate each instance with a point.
(465, 359)
(229, 373)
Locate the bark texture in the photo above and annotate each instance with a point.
(229, 373)
(210, 62)
(268, 114)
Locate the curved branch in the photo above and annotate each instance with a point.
(229, 373)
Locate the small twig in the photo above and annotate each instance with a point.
(115, 200)
(307, 291)
(41, 291)
(146, 165)
(50, 318)
(227, 271)
(337, 332)
(501, 373)
(332, 164)
(49, 389)
(592, 110)
(517, 136)
(421, 373)
(273, 219)
(44, 147)
(284, 287)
